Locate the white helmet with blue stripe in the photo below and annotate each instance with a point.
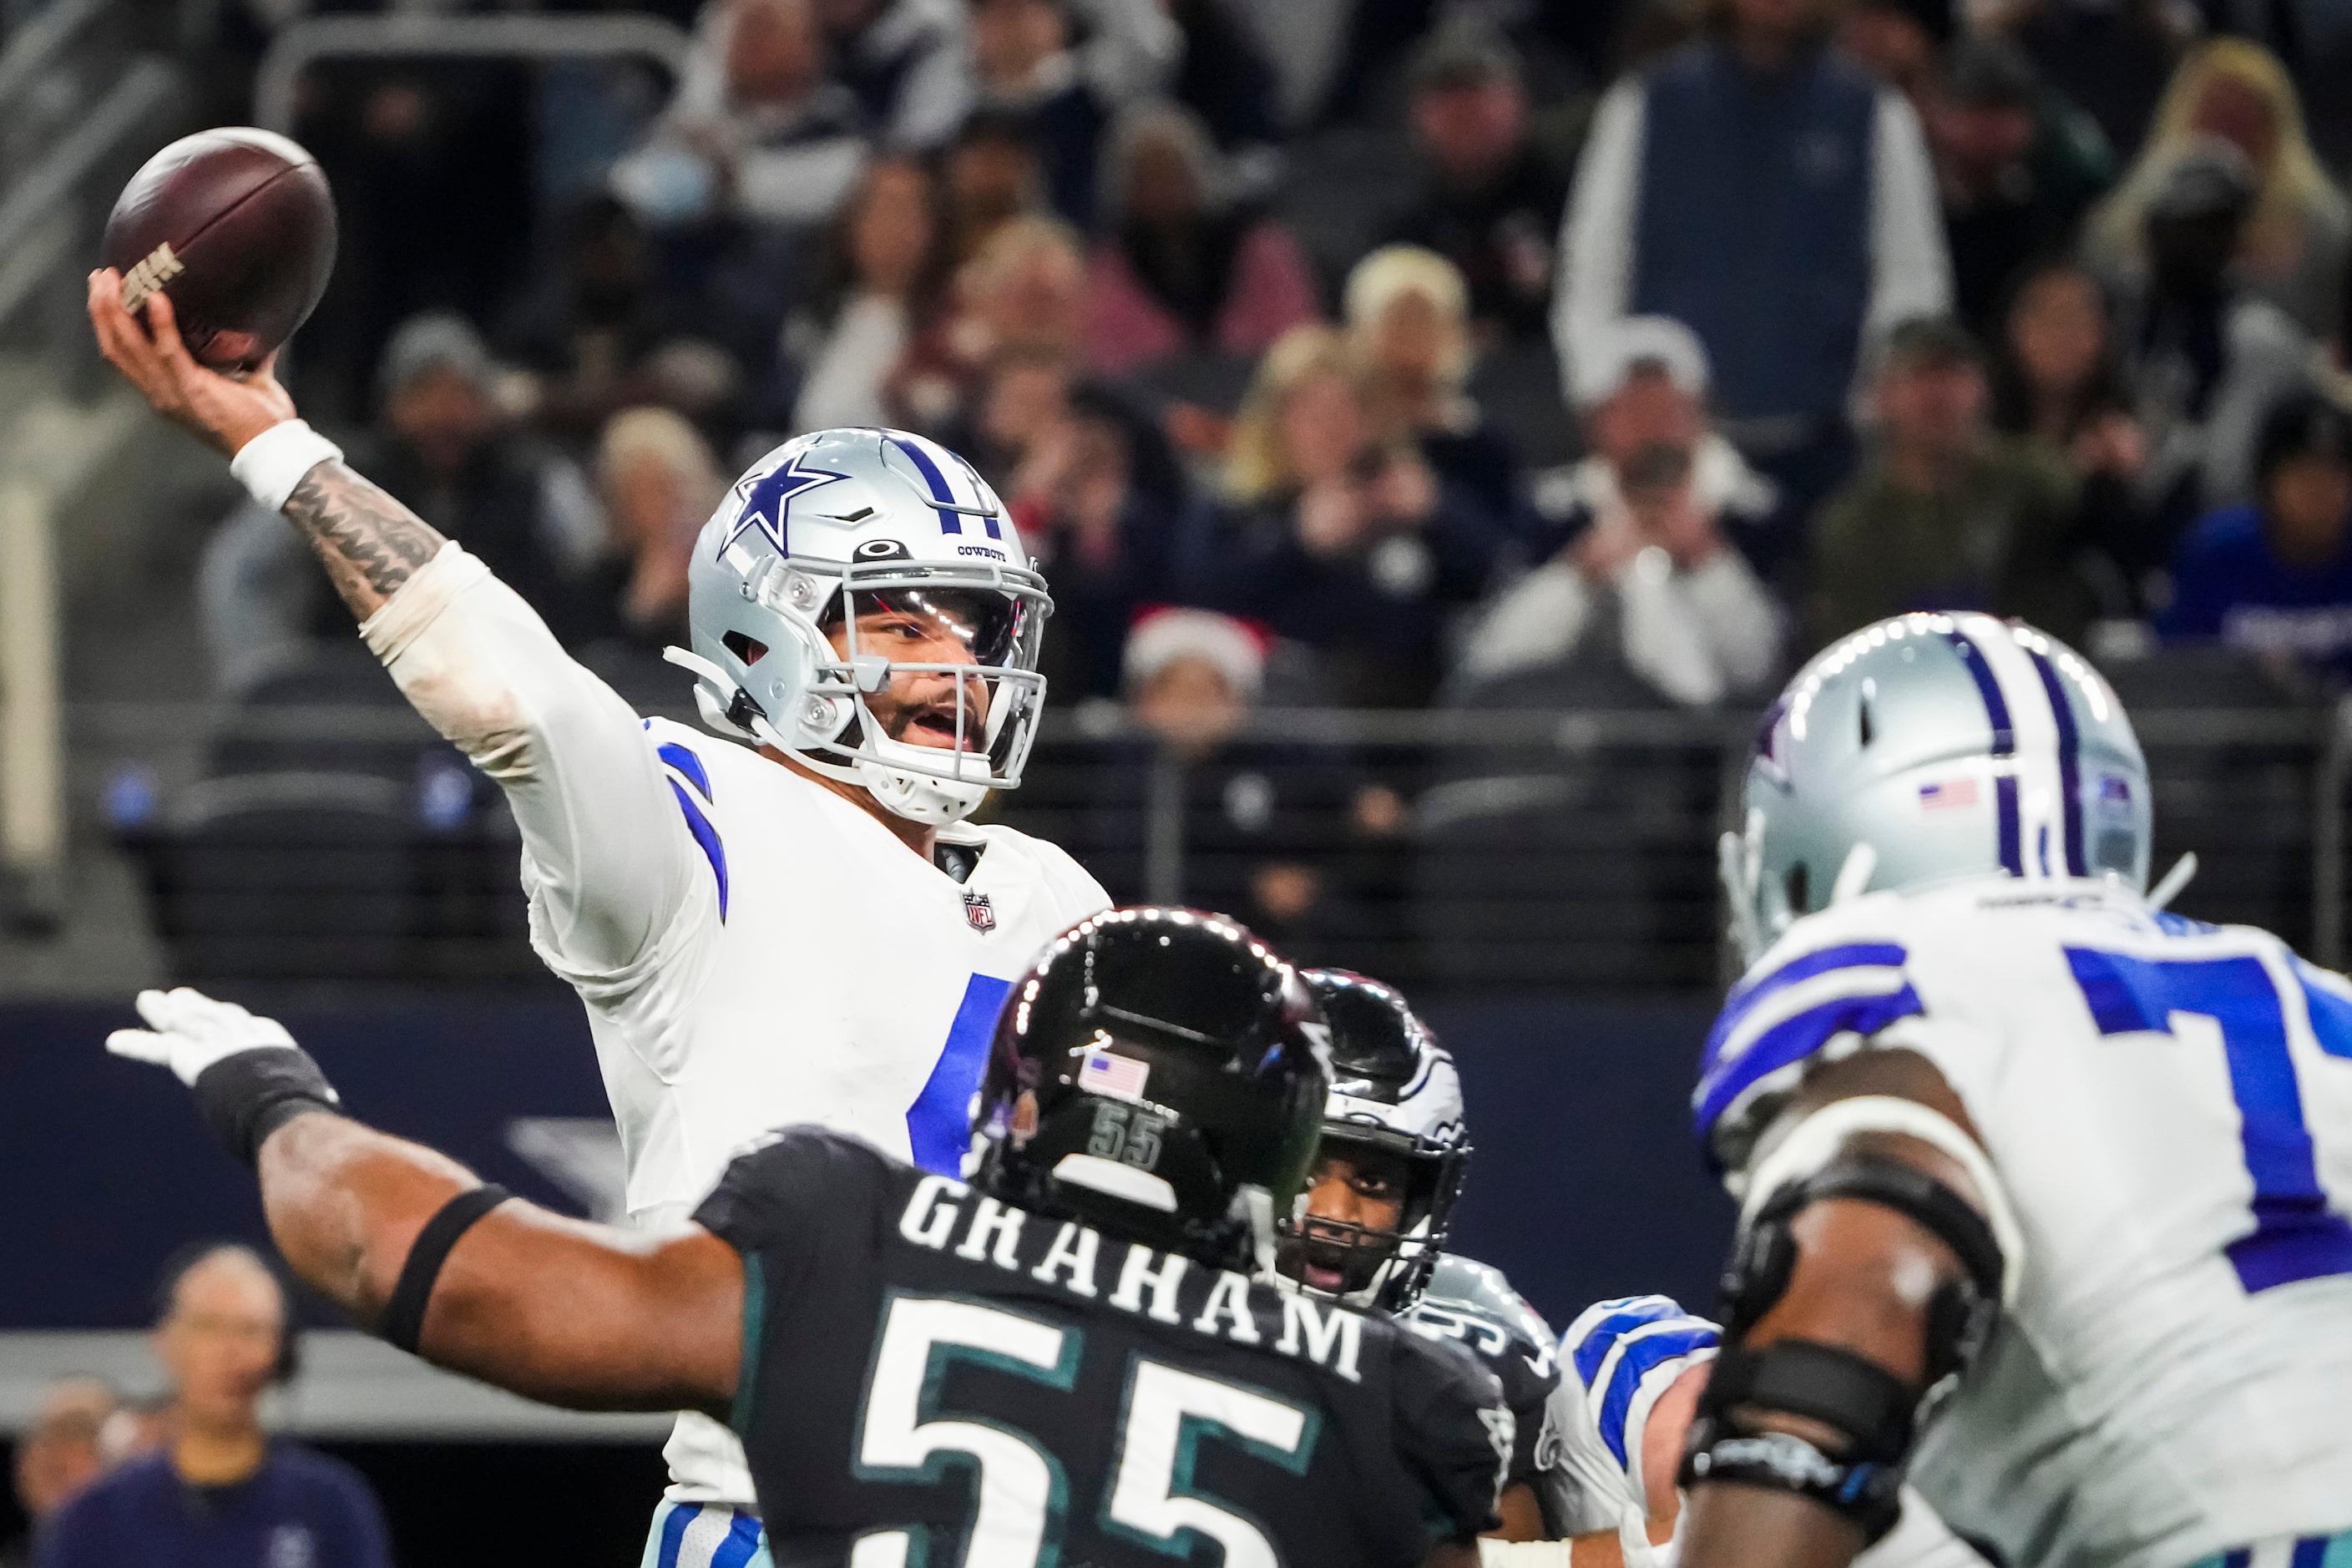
(1929, 747)
(861, 602)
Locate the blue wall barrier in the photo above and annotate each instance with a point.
(1585, 1183)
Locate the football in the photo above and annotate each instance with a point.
(238, 227)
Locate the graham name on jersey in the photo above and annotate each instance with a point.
(1145, 1280)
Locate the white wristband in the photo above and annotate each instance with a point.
(271, 464)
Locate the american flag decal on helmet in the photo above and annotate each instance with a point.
(1121, 1077)
(1949, 795)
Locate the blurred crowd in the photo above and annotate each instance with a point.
(190, 1475)
(1590, 355)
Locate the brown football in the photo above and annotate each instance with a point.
(238, 227)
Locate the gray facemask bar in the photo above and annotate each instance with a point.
(1016, 690)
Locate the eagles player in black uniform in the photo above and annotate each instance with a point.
(1372, 1231)
(1075, 1358)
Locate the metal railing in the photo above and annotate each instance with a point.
(38, 225)
(77, 104)
(301, 45)
(1447, 850)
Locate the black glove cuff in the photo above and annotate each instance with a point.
(246, 1097)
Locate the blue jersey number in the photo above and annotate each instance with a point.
(2296, 1236)
(938, 1124)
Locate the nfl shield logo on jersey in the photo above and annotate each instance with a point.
(979, 912)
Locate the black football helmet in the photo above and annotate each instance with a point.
(1395, 1101)
(1163, 1075)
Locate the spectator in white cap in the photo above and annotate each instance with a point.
(1654, 340)
(1650, 576)
(1643, 403)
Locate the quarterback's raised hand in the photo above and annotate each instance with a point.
(223, 411)
(368, 542)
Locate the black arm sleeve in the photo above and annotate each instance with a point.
(1455, 1434)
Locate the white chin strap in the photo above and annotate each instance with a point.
(1853, 877)
(917, 798)
(2174, 880)
(1253, 1206)
(1738, 862)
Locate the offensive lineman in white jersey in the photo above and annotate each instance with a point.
(1630, 1374)
(803, 931)
(2043, 1188)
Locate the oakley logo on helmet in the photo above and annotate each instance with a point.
(880, 549)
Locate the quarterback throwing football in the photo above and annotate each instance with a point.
(798, 930)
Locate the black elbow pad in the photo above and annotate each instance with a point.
(1874, 1414)
(1960, 1317)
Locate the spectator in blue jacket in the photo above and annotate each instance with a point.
(222, 1493)
(2274, 577)
(1336, 538)
(1756, 186)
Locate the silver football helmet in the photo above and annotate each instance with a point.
(893, 544)
(1929, 747)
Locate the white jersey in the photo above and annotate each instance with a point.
(753, 948)
(2168, 1106)
(1615, 1361)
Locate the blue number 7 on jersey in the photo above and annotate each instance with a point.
(2296, 1236)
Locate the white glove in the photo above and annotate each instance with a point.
(191, 1032)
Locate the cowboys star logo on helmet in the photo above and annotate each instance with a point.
(765, 498)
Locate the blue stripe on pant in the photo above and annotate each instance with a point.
(2304, 1551)
(705, 1535)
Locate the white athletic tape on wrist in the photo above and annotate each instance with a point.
(1816, 1141)
(271, 464)
(1493, 1554)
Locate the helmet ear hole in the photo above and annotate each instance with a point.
(750, 650)
(1799, 890)
(1863, 724)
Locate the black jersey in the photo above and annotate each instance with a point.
(1472, 1304)
(932, 1378)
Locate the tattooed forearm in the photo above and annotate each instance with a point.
(369, 543)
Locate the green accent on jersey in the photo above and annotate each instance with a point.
(755, 1312)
